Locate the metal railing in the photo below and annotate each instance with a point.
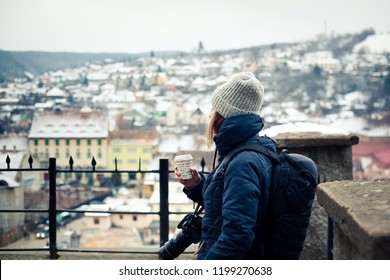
(52, 210)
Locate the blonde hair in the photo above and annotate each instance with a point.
(216, 121)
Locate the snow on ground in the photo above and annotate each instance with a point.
(377, 43)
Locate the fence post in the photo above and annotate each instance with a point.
(330, 239)
(52, 209)
(164, 204)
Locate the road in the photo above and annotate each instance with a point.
(33, 242)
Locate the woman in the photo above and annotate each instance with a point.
(233, 205)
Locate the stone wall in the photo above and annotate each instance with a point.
(361, 214)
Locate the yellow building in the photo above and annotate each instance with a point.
(65, 134)
(132, 149)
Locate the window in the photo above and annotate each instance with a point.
(89, 154)
(57, 153)
(36, 142)
(78, 142)
(47, 142)
(131, 150)
(67, 142)
(135, 218)
(121, 216)
(89, 142)
(100, 155)
(117, 150)
(57, 142)
(146, 150)
(96, 221)
(99, 142)
(78, 155)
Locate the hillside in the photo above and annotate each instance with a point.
(377, 43)
(15, 64)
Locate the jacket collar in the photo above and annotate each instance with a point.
(236, 130)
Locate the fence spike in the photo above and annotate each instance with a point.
(139, 164)
(202, 164)
(8, 161)
(30, 161)
(93, 162)
(71, 163)
(116, 164)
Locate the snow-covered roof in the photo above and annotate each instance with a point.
(13, 143)
(98, 207)
(8, 182)
(176, 143)
(16, 162)
(69, 124)
(98, 76)
(56, 92)
(175, 197)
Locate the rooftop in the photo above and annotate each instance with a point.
(69, 124)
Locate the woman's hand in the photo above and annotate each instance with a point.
(188, 183)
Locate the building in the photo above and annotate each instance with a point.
(81, 135)
(178, 202)
(371, 158)
(131, 150)
(323, 59)
(11, 189)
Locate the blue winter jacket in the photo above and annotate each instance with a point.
(233, 205)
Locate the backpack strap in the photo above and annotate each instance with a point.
(247, 147)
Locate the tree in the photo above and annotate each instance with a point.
(386, 92)
(314, 83)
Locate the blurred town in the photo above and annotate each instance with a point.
(128, 114)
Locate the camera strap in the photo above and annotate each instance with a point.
(198, 210)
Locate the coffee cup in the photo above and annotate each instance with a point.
(184, 163)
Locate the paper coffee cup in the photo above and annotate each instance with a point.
(184, 163)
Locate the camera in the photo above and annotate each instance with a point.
(191, 232)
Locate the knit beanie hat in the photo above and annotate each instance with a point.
(242, 94)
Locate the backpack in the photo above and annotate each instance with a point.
(286, 218)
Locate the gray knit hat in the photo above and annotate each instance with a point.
(242, 94)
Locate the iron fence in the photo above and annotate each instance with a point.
(52, 210)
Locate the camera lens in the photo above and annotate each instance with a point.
(174, 247)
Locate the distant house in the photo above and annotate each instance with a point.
(62, 134)
(97, 221)
(56, 93)
(11, 187)
(323, 59)
(130, 150)
(178, 202)
(11, 197)
(372, 158)
(16, 148)
(99, 231)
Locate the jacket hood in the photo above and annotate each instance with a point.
(237, 130)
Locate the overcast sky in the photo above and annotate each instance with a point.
(137, 26)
